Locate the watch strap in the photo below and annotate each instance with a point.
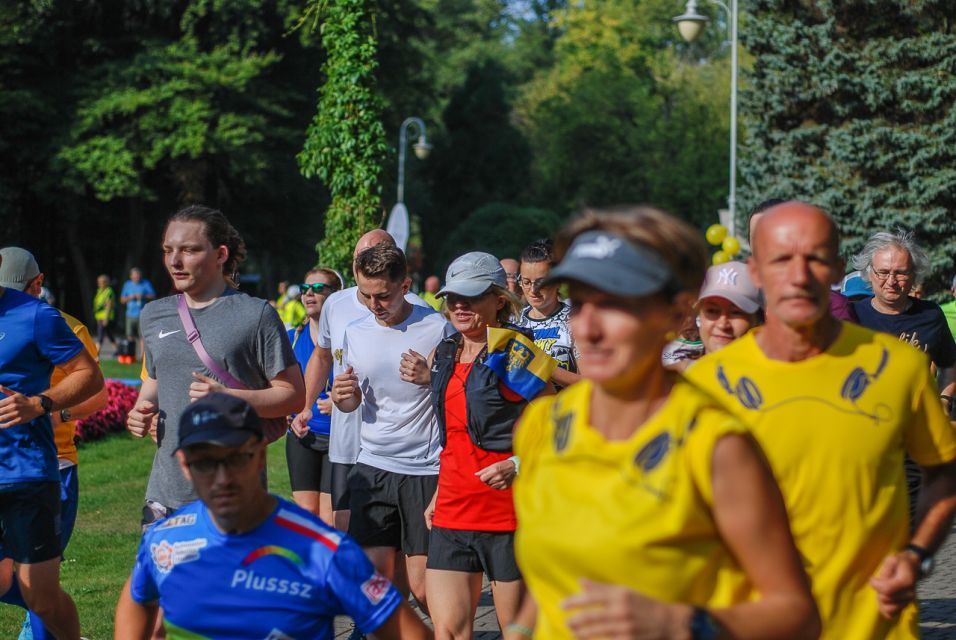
(46, 403)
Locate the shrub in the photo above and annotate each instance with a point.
(112, 417)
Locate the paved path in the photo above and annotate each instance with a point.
(937, 595)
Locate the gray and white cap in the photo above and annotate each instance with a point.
(614, 265)
(472, 274)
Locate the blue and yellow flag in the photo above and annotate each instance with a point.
(519, 363)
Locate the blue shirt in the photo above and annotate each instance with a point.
(130, 288)
(33, 338)
(288, 577)
(303, 348)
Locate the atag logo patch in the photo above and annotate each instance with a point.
(178, 521)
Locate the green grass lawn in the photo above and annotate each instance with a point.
(113, 475)
(113, 369)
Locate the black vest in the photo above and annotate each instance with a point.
(491, 417)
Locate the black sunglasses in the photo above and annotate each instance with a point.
(318, 287)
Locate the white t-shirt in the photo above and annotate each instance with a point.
(341, 309)
(399, 428)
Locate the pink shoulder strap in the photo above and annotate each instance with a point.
(192, 334)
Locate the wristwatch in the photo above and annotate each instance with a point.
(926, 561)
(65, 415)
(703, 626)
(45, 403)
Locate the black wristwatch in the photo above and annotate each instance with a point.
(703, 626)
(926, 561)
(45, 403)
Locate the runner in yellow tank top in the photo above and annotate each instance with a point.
(834, 406)
(643, 509)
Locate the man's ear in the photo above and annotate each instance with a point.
(34, 286)
(181, 457)
(222, 254)
(406, 285)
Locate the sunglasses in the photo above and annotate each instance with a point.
(453, 299)
(318, 287)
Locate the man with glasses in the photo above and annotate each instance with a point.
(894, 263)
(547, 316)
(241, 563)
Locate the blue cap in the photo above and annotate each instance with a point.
(855, 285)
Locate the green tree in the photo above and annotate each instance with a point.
(500, 229)
(624, 115)
(851, 107)
(345, 144)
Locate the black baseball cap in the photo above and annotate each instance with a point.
(219, 419)
(614, 265)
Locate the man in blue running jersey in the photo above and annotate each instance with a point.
(240, 563)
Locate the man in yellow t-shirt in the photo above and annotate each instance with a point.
(834, 406)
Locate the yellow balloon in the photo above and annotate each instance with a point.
(720, 257)
(731, 245)
(716, 234)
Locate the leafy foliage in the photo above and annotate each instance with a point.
(502, 230)
(851, 107)
(625, 116)
(345, 144)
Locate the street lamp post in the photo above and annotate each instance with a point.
(398, 225)
(690, 25)
(422, 149)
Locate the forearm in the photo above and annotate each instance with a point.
(774, 616)
(90, 406)
(134, 621)
(349, 404)
(283, 396)
(564, 378)
(317, 375)
(83, 380)
(936, 506)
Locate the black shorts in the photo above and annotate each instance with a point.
(340, 485)
(474, 551)
(30, 522)
(388, 509)
(309, 466)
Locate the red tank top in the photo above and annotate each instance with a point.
(465, 502)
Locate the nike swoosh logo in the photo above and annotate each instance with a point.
(163, 334)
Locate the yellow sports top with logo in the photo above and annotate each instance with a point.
(65, 432)
(635, 512)
(834, 428)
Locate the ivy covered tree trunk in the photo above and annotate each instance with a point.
(345, 144)
(850, 106)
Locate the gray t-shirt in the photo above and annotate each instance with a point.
(242, 334)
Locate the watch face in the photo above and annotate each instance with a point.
(46, 403)
(926, 566)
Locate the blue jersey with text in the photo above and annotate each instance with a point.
(287, 578)
(303, 347)
(33, 338)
